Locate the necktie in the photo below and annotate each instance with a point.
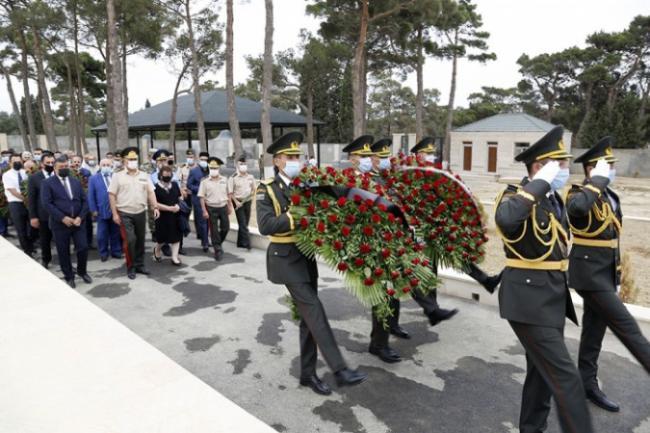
(556, 207)
(20, 178)
(107, 180)
(66, 185)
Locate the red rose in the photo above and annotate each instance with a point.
(333, 218)
(295, 199)
(426, 263)
(368, 281)
(338, 245)
(391, 217)
(449, 248)
(320, 227)
(399, 234)
(416, 261)
(296, 181)
(414, 282)
(385, 253)
(345, 231)
(452, 237)
(341, 201)
(325, 204)
(368, 231)
(357, 198)
(406, 289)
(370, 202)
(401, 251)
(376, 218)
(408, 271)
(342, 267)
(394, 275)
(378, 272)
(319, 242)
(364, 248)
(388, 236)
(390, 292)
(307, 193)
(382, 207)
(363, 208)
(311, 209)
(304, 223)
(359, 262)
(350, 219)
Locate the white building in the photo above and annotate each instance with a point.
(489, 146)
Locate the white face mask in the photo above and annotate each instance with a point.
(365, 164)
(92, 163)
(243, 168)
(132, 164)
(612, 175)
(430, 158)
(214, 172)
(384, 164)
(203, 164)
(292, 169)
(37, 157)
(190, 161)
(117, 164)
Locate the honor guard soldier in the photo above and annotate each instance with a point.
(286, 265)
(425, 151)
(595, 219)
(534, 295)
(359, 153)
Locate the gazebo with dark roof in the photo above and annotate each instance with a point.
(215, 115)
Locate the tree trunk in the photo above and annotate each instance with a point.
(358, 75)
(310, 123)
(81, 108)
(110, 116)
(200, 124)
(419, 97)
(642, 117)
(120, 118)
(446, 150)
(585, 119)
(73, 143)
(48, 119)
(125, 87)
(28, 97)
(172, 120)
(267, 81)
(230, 86)
(16, 109)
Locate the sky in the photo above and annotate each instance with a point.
(515, 26)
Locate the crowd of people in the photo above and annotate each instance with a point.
(71, 200)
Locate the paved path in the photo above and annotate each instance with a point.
(230, 327)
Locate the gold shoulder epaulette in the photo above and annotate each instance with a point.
(268, 181)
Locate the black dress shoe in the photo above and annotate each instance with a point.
(131, 274)
(317, 385)
(347, 377)
(386, 354)
(103, 258)
(182, 252)
(400, 332)
(597, 397)
(117, 256)
(71, 283)
(441, 315)
(142, 271)
(218, 255)
(86, 278)
(206, 249)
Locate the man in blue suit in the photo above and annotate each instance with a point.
(108, 233)
(38, 217)
(65, 201)
(193, 182)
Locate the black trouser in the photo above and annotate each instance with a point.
(315, 331)
(89, 229)
(62, 238)
(603, 309)
(550, 372)
(20, 217)
(45, 239)
(379, 334)
(133, 230)
(219, 225)
(243, 214)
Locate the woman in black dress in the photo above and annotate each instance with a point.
(168, 225)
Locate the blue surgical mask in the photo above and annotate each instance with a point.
(560, 179)
(292, 169)
(365, 164)
(203, 164)
(107, 170)
(612, 175)
(37, 158)
(384, 164)
(5, 159)
(190, 161)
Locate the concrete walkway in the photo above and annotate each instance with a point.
(231, 328)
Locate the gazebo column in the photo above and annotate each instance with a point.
(207, 147)
(99, 156)
(189, 138)
(152, 137)
(137, 138)
(318, 146)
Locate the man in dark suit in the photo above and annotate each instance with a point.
(193, 182)
(108, 233)
(65, 201)
(286, 265)
(595, 218)
(38, 217)
(534, 295)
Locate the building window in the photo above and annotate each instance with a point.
(520, 147)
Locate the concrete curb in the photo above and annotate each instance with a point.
(454, 283)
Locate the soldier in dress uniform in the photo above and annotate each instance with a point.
(425, 151)
(287, 265)
(595, 218)
(534, 295)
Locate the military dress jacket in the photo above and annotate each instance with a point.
(534, 287)
(285, 263)
(595, 219)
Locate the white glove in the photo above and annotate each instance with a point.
(601, 169)
(548, 172)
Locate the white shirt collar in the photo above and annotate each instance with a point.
(284, 178)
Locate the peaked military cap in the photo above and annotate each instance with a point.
(214, 162)
(130, 153)
(189, 152)
(288, 144)
(360, 146)
(602, 149)
(550, 146)
(426, 145)
(382, 148)
(160, 154)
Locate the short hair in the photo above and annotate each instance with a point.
(202, 154)
(38, 149)
(63, 158)
(46, 154)
(241, 159)
(165, 169)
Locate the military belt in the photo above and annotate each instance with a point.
(560, 265)
(600, 243)
(283, 239)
